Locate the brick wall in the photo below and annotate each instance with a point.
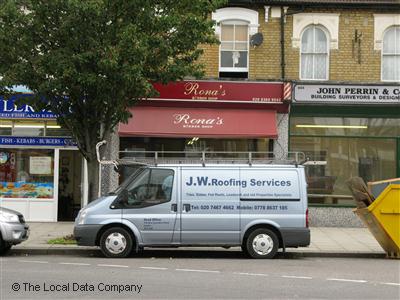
(264, 61)
(344, 65)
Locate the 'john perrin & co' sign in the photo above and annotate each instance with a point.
(368, 94)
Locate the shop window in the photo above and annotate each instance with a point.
(5, 127)
(339, 126)
(314, 55)
(53, 129)
(26, 173)
(32, 128)
(28, 128)
(339, 148)
(173, 147)
(391, 54)
(333, 160)
(169, 146)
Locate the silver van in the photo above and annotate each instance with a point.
(259, 206)
(13, 229)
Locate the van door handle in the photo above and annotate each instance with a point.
(186, 207)
(174, 207)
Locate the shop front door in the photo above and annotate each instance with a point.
(69, 184)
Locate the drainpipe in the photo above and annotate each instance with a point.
(283, 63)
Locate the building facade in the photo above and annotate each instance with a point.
(342, 59)
(345, 113)
(320, 77)
(249, 114)
(41, 169)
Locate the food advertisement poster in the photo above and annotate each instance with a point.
(40, 165)
(26, 190)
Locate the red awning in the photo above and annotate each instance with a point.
(201, 122)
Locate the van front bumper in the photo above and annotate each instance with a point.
(296, 237)
(14, 233)
(85, 235)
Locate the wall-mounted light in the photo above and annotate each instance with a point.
(191, 142)
(332, 126)
(28, 126)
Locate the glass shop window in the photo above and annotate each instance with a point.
(26, 173)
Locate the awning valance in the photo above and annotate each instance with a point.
(201, 122)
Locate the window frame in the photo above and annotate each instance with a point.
(234, 23)
(125, 193)
(395, 54)
(325, 31)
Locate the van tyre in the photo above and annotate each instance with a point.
(116, 242)
(244, 249)
(4, 247)
(262, 243)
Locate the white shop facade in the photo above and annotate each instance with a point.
(41, 169)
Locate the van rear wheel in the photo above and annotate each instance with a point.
(116, 242)
(262, 243)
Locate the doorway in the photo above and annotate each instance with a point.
(69, 185)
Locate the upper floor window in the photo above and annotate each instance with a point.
(391, 54)
(234, 47)
(234, 26)
(314, 55)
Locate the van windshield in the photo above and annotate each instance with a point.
(126, 181)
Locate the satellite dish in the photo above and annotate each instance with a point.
(256, 39)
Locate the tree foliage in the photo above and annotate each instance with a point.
(92, 59)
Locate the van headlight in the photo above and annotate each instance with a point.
(8, 217)
(82, 216)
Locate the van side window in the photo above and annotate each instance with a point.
(152, 187)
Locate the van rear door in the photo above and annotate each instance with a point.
(209, 214)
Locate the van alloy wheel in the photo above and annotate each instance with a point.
(116, 242)
(262, 243)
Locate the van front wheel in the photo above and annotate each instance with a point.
(116, 242)
(262, 243)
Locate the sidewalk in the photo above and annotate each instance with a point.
(325, 242)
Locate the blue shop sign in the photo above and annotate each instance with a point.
(37, 141)
(9, 110)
